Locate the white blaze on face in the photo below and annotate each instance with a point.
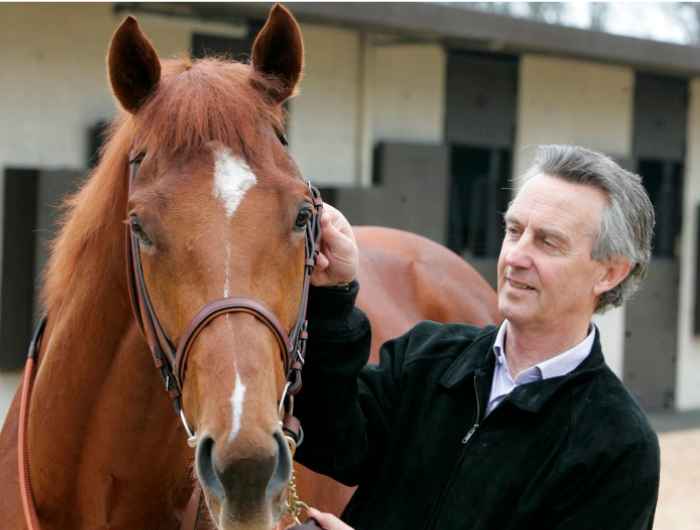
(232, 178)
(227, 273)
(237, 399)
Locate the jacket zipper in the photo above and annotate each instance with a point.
(470, 432)
(465, 441)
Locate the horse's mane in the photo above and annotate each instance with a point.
(194, 103)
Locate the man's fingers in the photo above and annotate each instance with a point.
(336, 242)
(328, 521)
(321, 262)
(338, 260)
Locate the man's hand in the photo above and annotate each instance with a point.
(328, 521)
(337, 262)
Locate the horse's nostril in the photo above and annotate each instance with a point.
(205, 467)
(283, 469)
(245, 484)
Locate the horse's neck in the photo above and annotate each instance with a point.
(103, 440)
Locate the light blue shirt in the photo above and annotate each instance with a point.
(561, 364)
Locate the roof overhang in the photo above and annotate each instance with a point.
(457, 27)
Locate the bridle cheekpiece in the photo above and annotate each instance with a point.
(171, 360)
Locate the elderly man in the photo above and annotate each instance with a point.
(519, 426)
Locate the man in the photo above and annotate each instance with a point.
(516, 427)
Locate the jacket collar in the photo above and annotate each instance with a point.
(477, 360)
(474, 360)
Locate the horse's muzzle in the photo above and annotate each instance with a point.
(246, 487)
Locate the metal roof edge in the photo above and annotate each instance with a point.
(452, 25)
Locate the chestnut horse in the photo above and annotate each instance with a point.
(217, 207)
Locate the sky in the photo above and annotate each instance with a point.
(674, 22)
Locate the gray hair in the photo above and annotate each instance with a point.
(627, 224)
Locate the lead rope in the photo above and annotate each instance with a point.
(25, 485)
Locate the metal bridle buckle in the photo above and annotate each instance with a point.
(191, 436)
(283, 399)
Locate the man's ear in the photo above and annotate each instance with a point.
(613, 272)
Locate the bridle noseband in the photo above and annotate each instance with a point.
(171, 361)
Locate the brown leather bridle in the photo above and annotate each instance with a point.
(171, 361)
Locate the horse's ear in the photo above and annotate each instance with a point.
(278, 51)
(133, 65)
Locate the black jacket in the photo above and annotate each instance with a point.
(572, 452)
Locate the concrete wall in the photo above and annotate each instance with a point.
(324, 117)
(357, 92)
(53, 76)
(688, 367)
(412, 195)
(576, 102)
(401, 90)
(409, 93)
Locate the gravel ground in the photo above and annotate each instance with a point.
(679, 495)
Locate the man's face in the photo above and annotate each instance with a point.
(546, 276)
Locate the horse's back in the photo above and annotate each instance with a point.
(405, 278)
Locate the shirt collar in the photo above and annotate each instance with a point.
(560, 364)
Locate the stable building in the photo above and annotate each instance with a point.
(414, 116)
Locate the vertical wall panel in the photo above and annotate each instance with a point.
(19, 232)
(576, 102)
(412, 194)
(324, 117)
(688, 367)
(481, 99)
(479, 128)
(408, 93)
(660, 114)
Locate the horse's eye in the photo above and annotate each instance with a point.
(303, 218)
(135, 162)
(139, 232)
(282, 138)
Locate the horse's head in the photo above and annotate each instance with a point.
(217, 210)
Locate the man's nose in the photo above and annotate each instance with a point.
(518, 254)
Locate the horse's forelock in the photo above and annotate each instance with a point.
(209, 100)
(195, 103)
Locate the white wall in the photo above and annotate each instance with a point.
(53, 86)
(8, 384)
(323, 120)
(576, 102)
(408, 100)
(53, 76)
(688, 366)
(355, 93)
